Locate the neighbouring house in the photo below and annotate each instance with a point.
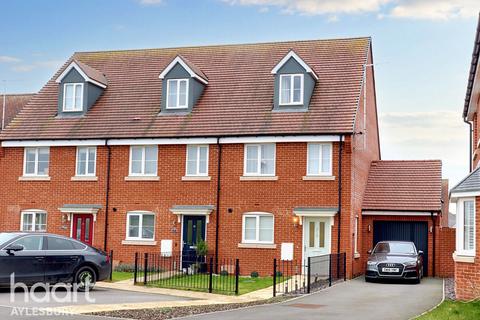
(466, 194)
(11, 105)
(262, 150)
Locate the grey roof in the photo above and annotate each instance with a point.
(87, 206)
(310, 209)
(208, 207)
(469, 183)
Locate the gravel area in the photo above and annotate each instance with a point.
(450, 289)
(177, 312)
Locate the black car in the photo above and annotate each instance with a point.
(48, 258)
(395, 260)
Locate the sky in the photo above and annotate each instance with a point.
(422, 51)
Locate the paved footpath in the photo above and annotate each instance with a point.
(354, 299)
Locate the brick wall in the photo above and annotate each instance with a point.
(445, 242)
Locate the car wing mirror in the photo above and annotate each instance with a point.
(420, 252)
(369, 251)
(14, 248)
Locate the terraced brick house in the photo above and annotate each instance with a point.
(262, 150)
(466, 194)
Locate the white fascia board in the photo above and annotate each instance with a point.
(472, 104)
(275, 139)
(79, 70)
(293, 55)
(398, 213)
(456, 195)
(52, 143)
(185, 66)
(160, 141)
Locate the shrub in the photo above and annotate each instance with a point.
(202, 248)
(224, 273)
(125, 267)
(254, 274)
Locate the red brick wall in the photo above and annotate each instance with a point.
(445, 242)
(365, 150)
(467, 275)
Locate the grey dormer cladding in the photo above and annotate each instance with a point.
(179, 68)
(92, 90)
(293, 65)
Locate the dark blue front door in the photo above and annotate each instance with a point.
(193, 232)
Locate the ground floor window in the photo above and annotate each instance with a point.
(257, 228)
(34, 221)
(140, 225)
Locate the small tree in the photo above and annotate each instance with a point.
(202, 248)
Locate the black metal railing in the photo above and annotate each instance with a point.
(299, 277)
(187, 272)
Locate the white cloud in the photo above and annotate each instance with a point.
(427, 135)
(47, 64)
(9, 59)
(150, 2)
(416, 9)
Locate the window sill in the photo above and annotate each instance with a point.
(318, 178)
(34, 178)
(257, 245)
(139, 242)
(463, 258)
(258, 178)
(84, 178)
(196, 178)
(356, 255)
(142, 178)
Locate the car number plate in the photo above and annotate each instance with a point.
(390, 269)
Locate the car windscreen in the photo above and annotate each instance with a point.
(5, 237)
(395, 248)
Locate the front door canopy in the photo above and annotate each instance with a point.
(327, 212)
(190, 210)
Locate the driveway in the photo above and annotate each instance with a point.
(19, 308)
(354, 299)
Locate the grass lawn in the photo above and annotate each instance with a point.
(220, 284)
(454, 310)
(119, 276)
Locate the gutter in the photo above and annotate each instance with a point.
(107, 196)
(470, 144)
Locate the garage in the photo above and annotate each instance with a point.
(417, 232)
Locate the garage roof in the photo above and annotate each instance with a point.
(412, 185)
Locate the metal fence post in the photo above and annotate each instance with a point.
(330, 270)
(275, 277)
(237, 274)
(145, 268)
(111, 265)
(309, 261)
(210, 276)
(135, 270)
(344, 266)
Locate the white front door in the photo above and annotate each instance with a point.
(316, 236)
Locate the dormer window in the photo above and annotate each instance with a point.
(177, 94)
(73, 97)
(291, 89)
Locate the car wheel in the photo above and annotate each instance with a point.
(85, 279)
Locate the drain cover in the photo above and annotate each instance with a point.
(305, 305)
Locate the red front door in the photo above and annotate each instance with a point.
(83, 228)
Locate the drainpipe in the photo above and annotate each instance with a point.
(107, 195)
(470, 144)
(217, 209)
(340, 151)
(434, 246)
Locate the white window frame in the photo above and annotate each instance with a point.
(75, 107)
(460, 228)
(37, 150)
(355, 237)
(142, 174)
(259, 160)
(34, 213)
(321, 173)
(87, 160)
(140, 225)
(197, 146)
(257, 216)
(292, 81)
(177, 104)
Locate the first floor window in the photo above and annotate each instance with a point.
(73, 97)
(197, 160)
(319, 161)
(34, 221)
(140, 225)
(177, 93)
(469, 225)
(257, 228)
(143, 160)
(259, 159)
(86, 158)
(291, 89)
(36, 161)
